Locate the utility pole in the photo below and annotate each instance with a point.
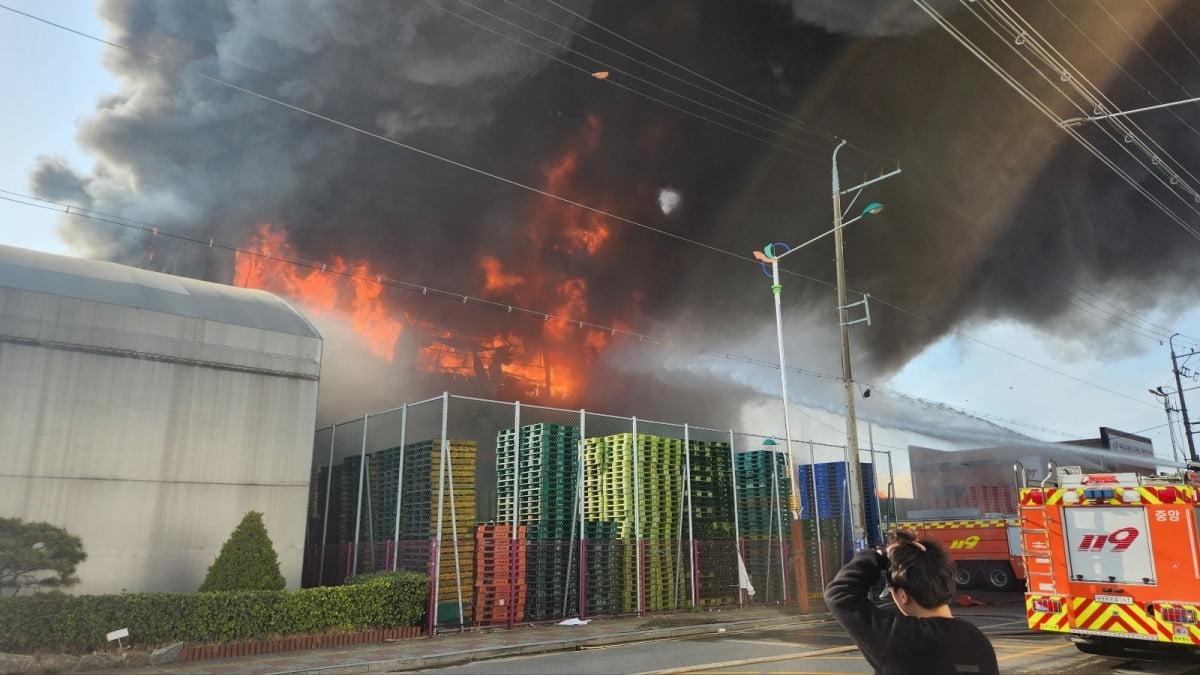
(1187, 425)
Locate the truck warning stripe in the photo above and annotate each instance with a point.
(958, 524)
(1185, 494)
(1092, 615)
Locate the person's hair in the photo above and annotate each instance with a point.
(927, 576)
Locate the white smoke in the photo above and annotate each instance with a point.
(669, 199)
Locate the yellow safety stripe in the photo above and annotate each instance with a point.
(1146, 495)
(1112, 618)
(958, 524)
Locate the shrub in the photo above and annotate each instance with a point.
(77, 624)
(247, 561)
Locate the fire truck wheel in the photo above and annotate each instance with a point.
(999, 578)
(966, 576)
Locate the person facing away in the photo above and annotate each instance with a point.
(924, 637)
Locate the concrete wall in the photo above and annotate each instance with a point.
(150, 434)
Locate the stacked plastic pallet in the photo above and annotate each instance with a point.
(763, 491)
(609, 471)
(660, 507)
(712, 520)
(608, 510)
(608, 484)
(602, 563)
(827, 511)
(327, 529)
(712, 490)
(384, 476)
(536, 473)
(346, 504)
(316, 491)
(830, 499)
(429, 474)
(500, 568)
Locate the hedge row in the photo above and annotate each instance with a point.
(78, 623)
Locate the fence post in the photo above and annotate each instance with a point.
(454, 529)
(516, 507)
(637, 521)
(362, 469)
(435, 552)
(580, 495)
(325, 518)
(400, 482)
(816, 515)
(737, 531)
(779, 523)
(687, 463)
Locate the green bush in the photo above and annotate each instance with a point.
(247, 561)
(77, 624)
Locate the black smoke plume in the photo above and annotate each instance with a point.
(996, 214)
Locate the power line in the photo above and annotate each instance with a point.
(614, 82)
(1118, 317)
(514, 183)
(1172, 29)
(764, 108)
(1125, 72)
(1022, 34)
(715, 90)
(456, 296)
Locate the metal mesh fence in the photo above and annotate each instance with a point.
(524, 513)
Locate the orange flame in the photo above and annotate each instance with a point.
(513, 361)
(565, 233)
(496, 279)
(352, 293)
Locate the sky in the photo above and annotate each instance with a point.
(1007, 346)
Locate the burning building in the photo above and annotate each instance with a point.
(147, 413)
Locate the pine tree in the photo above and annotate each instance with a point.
(37, 556)
(247, 561)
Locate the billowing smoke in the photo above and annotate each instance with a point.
(981, 224)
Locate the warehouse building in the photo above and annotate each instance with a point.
(983, 479)
(147, 413)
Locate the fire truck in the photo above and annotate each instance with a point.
(1113, 559)
(985, 550)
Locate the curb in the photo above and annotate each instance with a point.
(570, 644)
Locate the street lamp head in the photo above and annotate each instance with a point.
(872, 209)
(773, 250)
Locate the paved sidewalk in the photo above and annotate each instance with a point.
(454, 647)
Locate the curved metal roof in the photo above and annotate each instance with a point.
(115, 284)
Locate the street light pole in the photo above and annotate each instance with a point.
(768, 255)
(853, 466)
(776, 290)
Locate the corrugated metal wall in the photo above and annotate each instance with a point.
(150, 434)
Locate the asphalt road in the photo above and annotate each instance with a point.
(820, 647)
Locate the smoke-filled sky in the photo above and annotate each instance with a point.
(1011, 274)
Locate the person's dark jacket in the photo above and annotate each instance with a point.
(893, 643)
